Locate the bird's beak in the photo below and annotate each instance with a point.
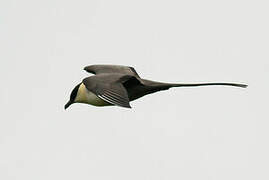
(68, 104)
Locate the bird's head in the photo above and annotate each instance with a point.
(73, 96)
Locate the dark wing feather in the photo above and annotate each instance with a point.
(115, 98)
(108, 89)
(101, 69)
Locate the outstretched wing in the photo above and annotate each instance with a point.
(108, 89)
(100, 69)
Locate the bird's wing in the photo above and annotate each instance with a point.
(108, 88)
(101, 69)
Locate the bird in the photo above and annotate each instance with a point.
(118, 85)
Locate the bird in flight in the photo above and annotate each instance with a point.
(118, 85)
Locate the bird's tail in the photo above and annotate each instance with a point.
(209, 84)
(148, 86)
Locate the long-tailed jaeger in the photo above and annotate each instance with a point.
(118, 85)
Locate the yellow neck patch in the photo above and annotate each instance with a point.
(86, 96)
(81, 94)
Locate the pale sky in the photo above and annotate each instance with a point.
(184, 133)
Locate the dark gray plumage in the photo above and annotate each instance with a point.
(118, 85)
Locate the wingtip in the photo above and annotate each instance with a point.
(89, 69)
(85, 68)
(128, 106)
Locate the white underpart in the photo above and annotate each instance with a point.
(86, 96)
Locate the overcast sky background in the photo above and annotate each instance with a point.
(184, 133)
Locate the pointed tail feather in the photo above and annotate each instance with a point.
(210, 84)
